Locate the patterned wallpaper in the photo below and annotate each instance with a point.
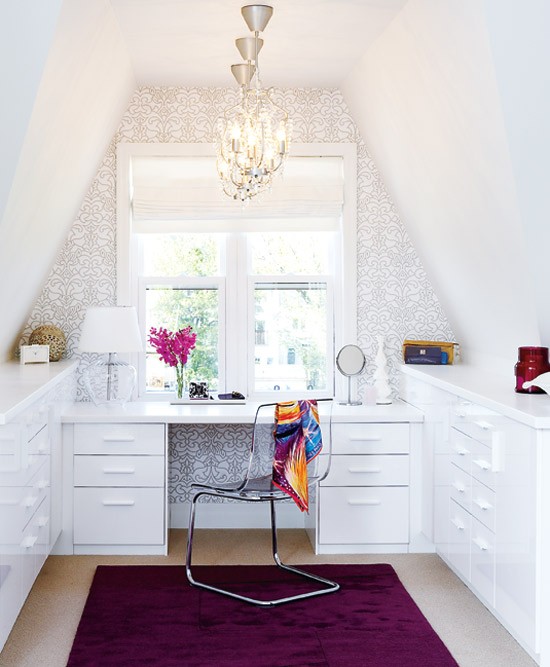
(395, 298)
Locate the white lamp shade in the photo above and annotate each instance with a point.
(110, 329)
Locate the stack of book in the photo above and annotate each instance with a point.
(428, 352)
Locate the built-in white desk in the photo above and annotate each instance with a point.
(218, 412)
(115, 458)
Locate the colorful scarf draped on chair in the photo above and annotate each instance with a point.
(297, 442)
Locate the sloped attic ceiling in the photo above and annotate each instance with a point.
(86, 82)
(451, 100)
(307, 43)
(100, 52)
(432, 84)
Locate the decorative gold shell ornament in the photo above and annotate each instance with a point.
(49, 334)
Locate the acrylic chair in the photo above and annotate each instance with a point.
(257, 485)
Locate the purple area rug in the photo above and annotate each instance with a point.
(150, 615)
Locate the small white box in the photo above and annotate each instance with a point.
(34, 354)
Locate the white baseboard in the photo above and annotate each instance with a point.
(233, 515)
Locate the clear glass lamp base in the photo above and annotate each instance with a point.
(109, 381)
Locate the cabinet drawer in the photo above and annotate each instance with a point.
(14, 514)
(461, 450)
(459, 539)
(370, 438)
(18, 505)
(118, 516)
(483, 561)
(460, 486)
(35, 420)
(40, 444)
(373, 470)
(119, 471)
(482, 464)
(483, 504)
(476, 421)
(372, 515)
(119, 439)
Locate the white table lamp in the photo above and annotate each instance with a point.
(108, 331)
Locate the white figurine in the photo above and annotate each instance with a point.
(381, 384)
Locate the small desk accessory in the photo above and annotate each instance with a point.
(34, 354)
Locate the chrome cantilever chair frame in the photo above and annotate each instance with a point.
(259, 489)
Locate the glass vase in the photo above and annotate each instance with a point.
(180, 380)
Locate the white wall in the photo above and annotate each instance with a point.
(428, 105)
(26, 33)
(85, 88)
(520, 46)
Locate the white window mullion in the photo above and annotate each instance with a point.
(234, 332)
(141, 368)
(243, 328)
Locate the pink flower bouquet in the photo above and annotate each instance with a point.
(173, 347)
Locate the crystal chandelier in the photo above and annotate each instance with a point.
(252, 137)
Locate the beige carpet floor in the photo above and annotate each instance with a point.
(43, 634)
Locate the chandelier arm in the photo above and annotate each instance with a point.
(268, 92)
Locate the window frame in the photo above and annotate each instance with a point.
(187, 283)
(256, 279)
(344, 294)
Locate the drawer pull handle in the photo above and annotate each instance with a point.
(483, 504)
(458, 524)
(119, 471)
(461, 451)
(43, 449)
(119, 503)
(486, 426)
(43, 521)
(30, 501)
(372, 438)
(484, 465)
(459, 487)
(29, 542)
(364, 502)
(480, 543)
(118, 438)
(43, 484)
(353, 469)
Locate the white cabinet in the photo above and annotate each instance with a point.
(27, 532)
(364, 502)
(498, 456)
(24, 512)
(487, 506)
(119, 479)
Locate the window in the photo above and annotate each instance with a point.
(182, 283)
(262, 303)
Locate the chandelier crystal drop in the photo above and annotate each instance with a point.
(253, 137)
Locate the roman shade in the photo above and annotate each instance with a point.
(182, 194)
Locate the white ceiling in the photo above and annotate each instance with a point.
(308, 43)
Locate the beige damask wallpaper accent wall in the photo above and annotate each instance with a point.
(395, 299)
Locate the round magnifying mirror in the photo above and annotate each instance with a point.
(350, 361)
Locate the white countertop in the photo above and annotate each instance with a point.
(22, 384)
(219, 413)
(492, 390)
